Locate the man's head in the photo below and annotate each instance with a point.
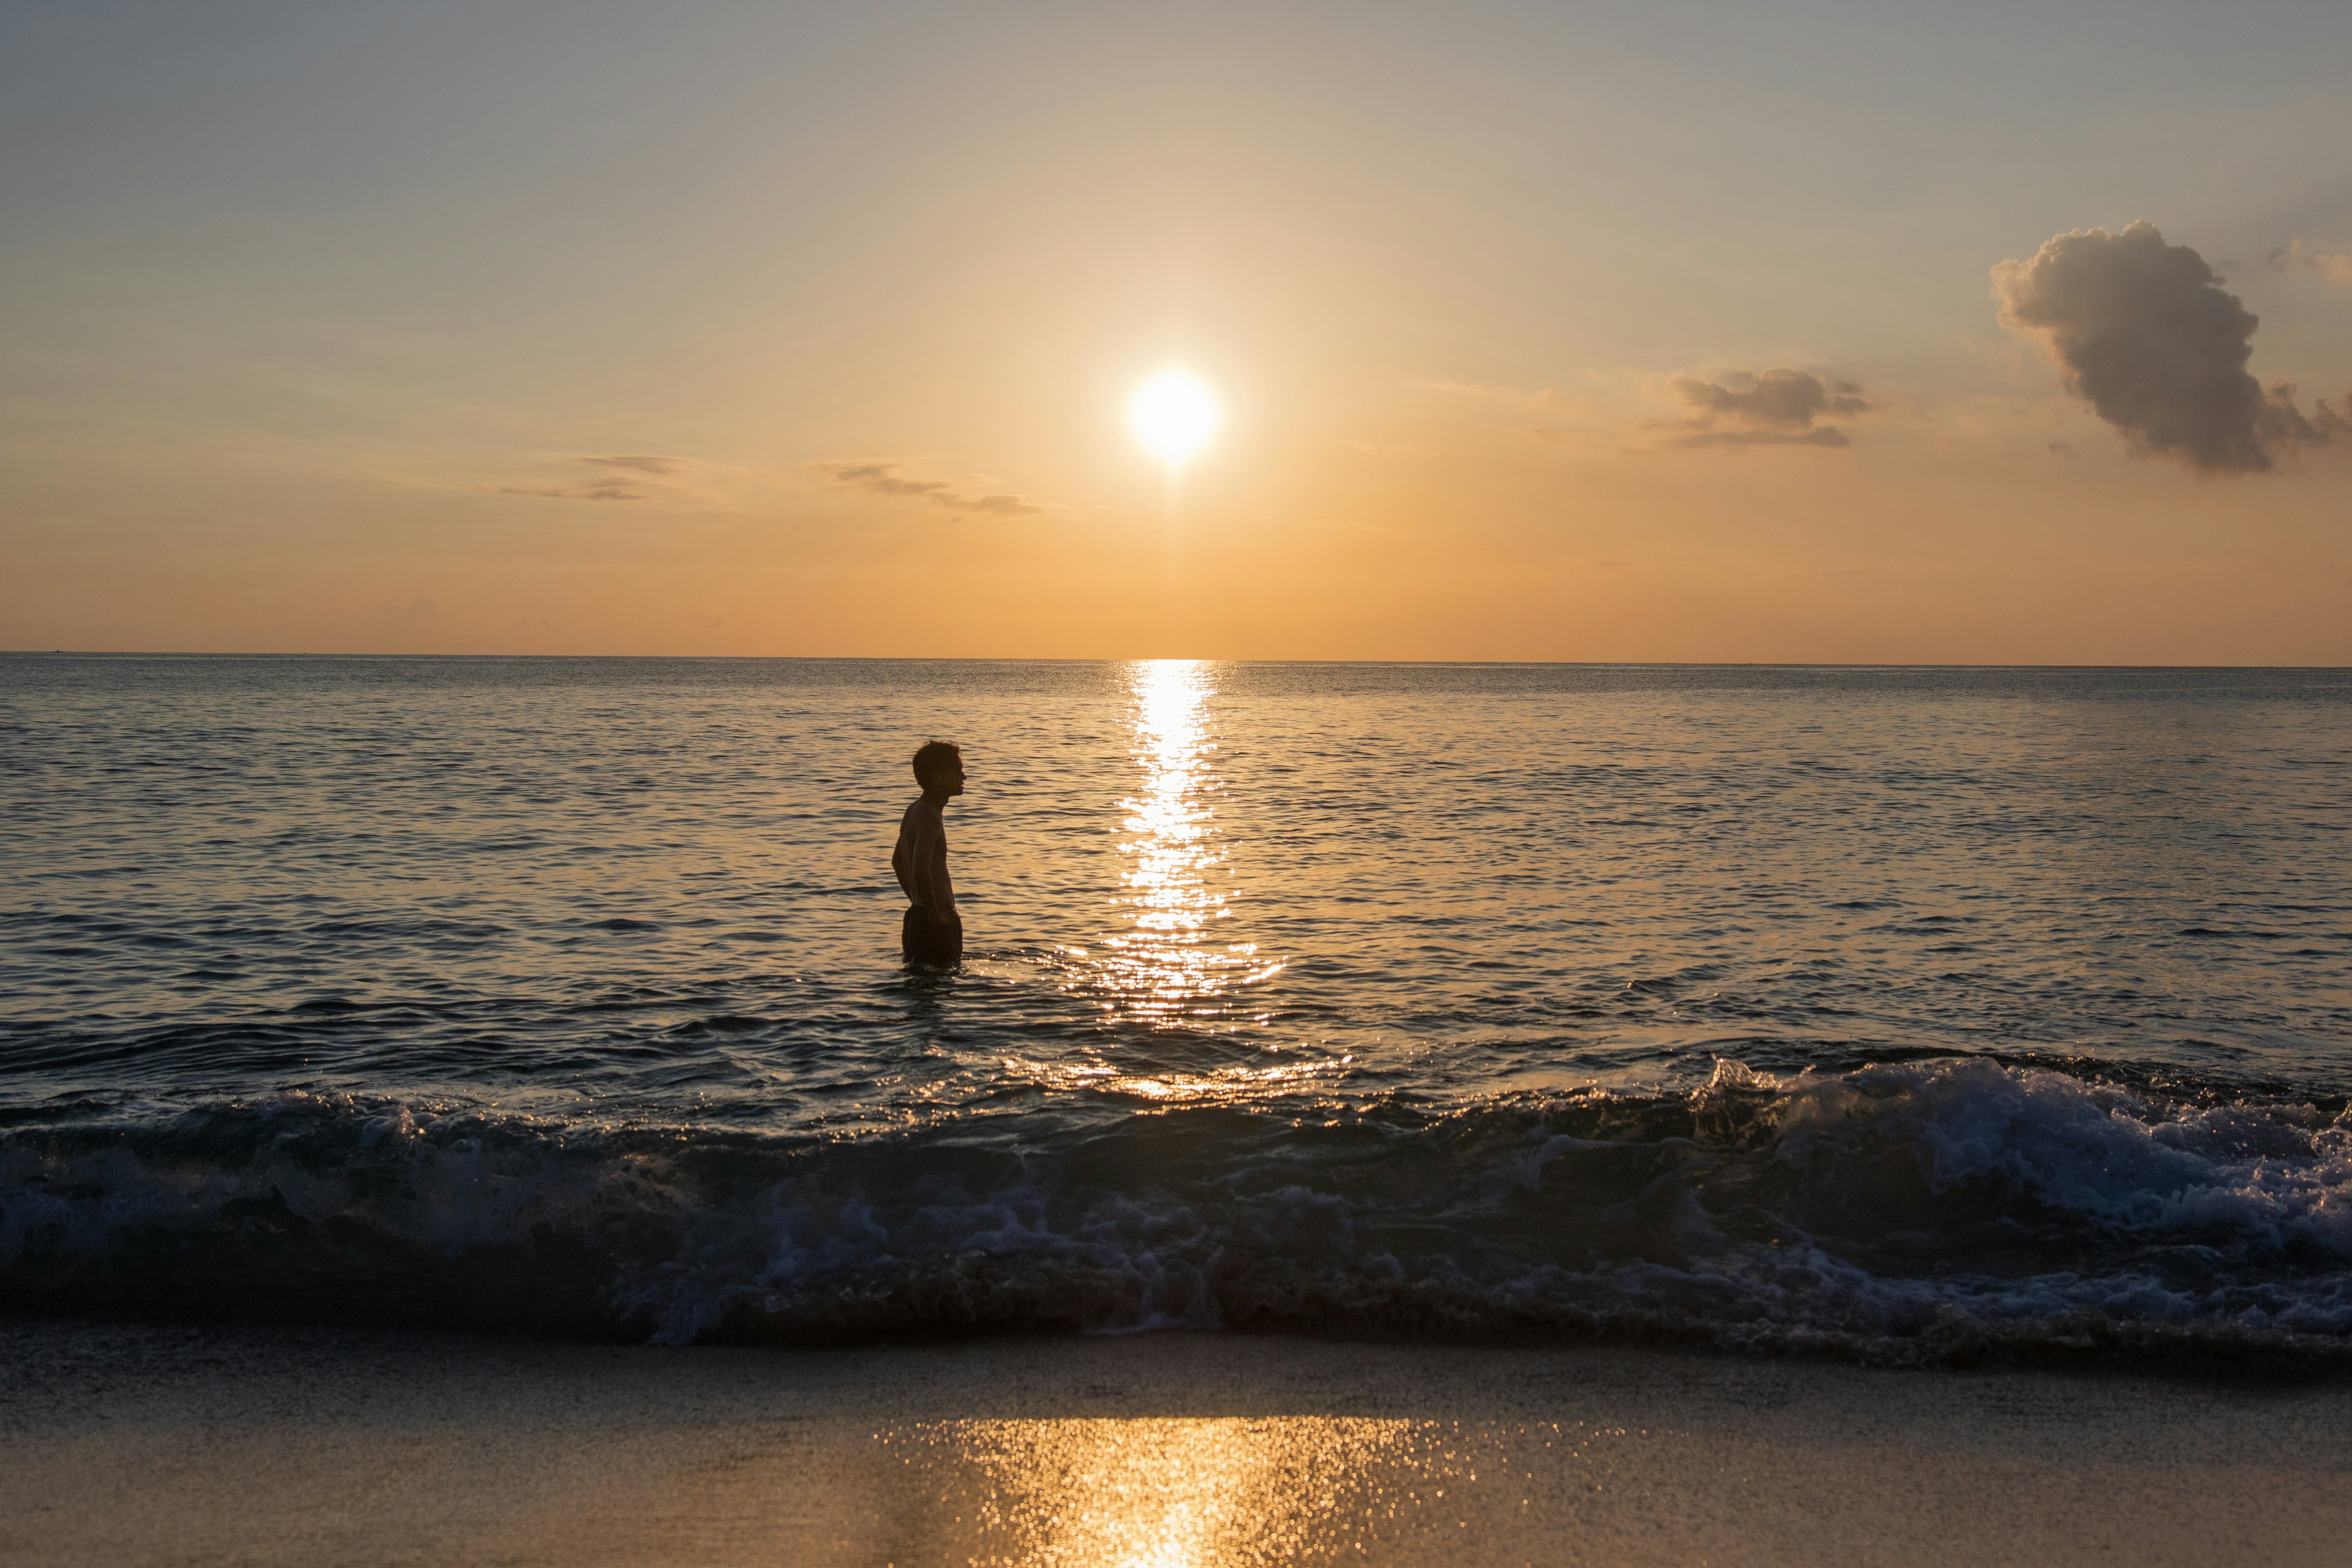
(938, 767)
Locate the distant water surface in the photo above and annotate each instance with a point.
(1905, 1010)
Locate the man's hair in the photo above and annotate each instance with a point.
(933, 755)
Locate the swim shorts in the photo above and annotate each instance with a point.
(926, 940)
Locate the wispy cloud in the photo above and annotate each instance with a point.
(1819, 435)
(2295, 256)
(2283, 424)
(602, 489)
(1781, 407)
(887, 477)
(2145, 332)
(660, 468)
(642, 472)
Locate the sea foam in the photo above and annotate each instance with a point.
(1900, 1212)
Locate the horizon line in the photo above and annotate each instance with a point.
(1156, 658)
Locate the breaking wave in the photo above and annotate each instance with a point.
(1918, 1211)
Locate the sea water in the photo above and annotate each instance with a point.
(1907, 1013)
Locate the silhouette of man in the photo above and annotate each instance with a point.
(932, 931)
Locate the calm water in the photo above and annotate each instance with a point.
(1905, 1010)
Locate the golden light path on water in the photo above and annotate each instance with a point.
(1167, 966)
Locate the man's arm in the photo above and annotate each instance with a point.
(943, 885)
(920, 862)
(901, 869)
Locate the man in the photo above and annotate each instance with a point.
(932, 931)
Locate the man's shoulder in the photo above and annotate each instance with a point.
(919, 810)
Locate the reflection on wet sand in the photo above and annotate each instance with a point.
(1190, 1492)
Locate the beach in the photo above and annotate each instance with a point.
(162, 1444)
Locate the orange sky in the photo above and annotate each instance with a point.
(575, 331)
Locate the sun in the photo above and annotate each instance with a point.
(1175, 415)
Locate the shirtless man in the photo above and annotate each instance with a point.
(932, 931)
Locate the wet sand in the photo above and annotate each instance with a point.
(155, 1444)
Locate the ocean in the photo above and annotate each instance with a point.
(1909, 1015)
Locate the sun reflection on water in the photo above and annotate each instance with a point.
(1167, 966)
(1171, 987)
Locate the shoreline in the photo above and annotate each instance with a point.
(137, 1443)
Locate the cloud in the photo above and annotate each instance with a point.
(2282, 424)
(1822, 436)
(602, 489)
(1779, 399)
(617, 488)
(888, 479)
(2145, 332)
(882, 479)
(1003, 505)
(660, 468)
(2296, 257)
(1776, 408)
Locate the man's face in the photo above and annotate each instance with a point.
(947, 780)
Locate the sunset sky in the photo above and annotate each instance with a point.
(1642, 332)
